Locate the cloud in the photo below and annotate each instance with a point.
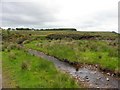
(80, 14)
(22, 14)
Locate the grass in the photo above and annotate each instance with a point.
(23, 70)
(83, 51)
(26, 71)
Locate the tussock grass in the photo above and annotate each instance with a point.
(27, 71)
(83, 51)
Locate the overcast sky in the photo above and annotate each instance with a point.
(92, 15)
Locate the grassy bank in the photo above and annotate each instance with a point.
(103, 53)
(23, 70)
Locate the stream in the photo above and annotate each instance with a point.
(90, 78)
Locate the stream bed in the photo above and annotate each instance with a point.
(91, 78)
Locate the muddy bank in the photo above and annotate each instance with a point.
(90, 77)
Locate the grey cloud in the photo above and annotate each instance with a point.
(42, 15)
(24, 13)
(101, 18)
(90, 24)
(106, 15)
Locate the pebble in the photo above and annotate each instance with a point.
(95, 72)
(96, 65)
(82, 80)
(86, 77)
(99, 78)
(87, 80)
(90, 85)
(75, 77)
(92, 72)
(107, 79)
(108, 74)
(112, 75)
(90, 66)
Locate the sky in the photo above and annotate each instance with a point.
(84, 15)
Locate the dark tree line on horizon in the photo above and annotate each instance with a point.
(55, 29)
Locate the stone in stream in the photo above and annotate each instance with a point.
(90, 66)
(77, 69)
(96, 83)
(90, 84)
(98, 87)
(87, 80)
(96, 65)
(95, 72)
(98, 78)
(79, 78)
(75, 77)
(107, 79)
(71, 73)
(112, 75)
(86, 77)
(108, 74)
(82, 80)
